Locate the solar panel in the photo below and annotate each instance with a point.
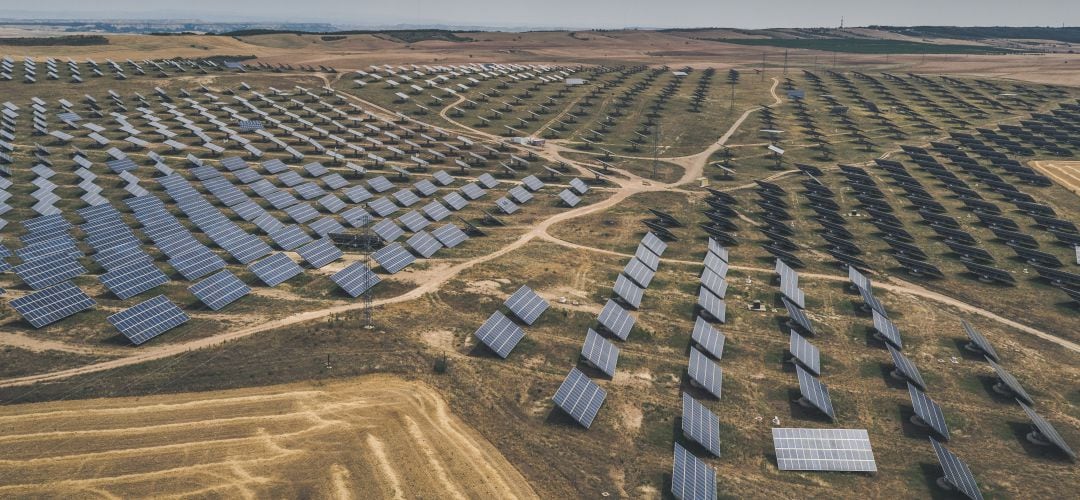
(414, 221)
(319, 253)
(356, 279)
(700, 424)
(804, 353)
(600, 353)
(290, 179)
(653, 243)
(979, 342)
(506, 206)
(928, 412)
(443, 178)
(219, 290)
(393, 258)
(716, 265)
(711, 304)
(957, 473)
(425, 187)
(616, 320)
(423, 244)
(814, 392)
(531, 182)
(718, 250)
(382, 207)
(472, 191)
(704, 373)
(628, 291)
(487, 181)
(52, 304)
(49, 270)
(302, 212)
(714, 283)
(1009, 383)
(332, 203)
(580, 397)
(449, 235)
(132, 279)
(887, 331)
(148, 319)
(455, 201)
(647, 257)
(579, 186)
(691, 479)
(196, 263)
(356, 217)
(275, 269)
(638, 272)
(520, 194)
(406, 198)
(274, 166)
(316, 169)
(436, 211)
(499, 334)
(798, 317)
(289, 237)
(335, 181)
(842, 450)
(526, 305)
(1046, 433)
(326, 226)
(387, 230)
(380, 184)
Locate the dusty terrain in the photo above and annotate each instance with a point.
(366, 437)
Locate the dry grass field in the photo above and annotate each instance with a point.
(367, 437)
(286, 394)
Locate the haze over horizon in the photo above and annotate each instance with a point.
(600, 14)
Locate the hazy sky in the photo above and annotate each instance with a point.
(575, 13)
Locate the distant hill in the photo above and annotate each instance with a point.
(1066, 34)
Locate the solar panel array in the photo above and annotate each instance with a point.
(148, 319)
(708, 338)
(580, 397)
(393, 258)
(928, 412)
(616, 320)
(275, 269)
(845, 450)
(804, 353)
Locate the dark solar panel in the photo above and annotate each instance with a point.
(711, 304)
(387, 230)
(49, 270)
(414, 221)
(449, 235)
(423, 244)
(1044, 432)
(705, 373)
(979, 342)
(1010, 383)
(506, 206)
(382, 207)
(436, 211)
(906, 368)
(708, 338)
(887, 331)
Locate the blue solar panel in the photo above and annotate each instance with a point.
(52, 304)
(275, 269)
(148, 319)
(219, 290)
(355, 279)
(580, 397)
(133, 279)
(319, 253)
